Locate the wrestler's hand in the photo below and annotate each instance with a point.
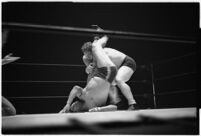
(96, 109)
(66, 109)
(9, 58)
(89, 68)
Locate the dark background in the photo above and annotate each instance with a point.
(173, 19)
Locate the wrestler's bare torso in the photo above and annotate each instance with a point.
(96, 92)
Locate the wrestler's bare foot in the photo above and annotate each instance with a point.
(133, 107)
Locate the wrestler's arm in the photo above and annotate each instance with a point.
(110, 107)
(75, 92)
(89, 65)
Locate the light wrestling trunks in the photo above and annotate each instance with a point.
(129, 62)
(106, 73)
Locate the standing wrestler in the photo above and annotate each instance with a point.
(96, 92)
(126, 67)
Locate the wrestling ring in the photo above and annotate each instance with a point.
(151, 120)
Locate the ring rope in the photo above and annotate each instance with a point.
(86, 31)
(38, 97)
(174, 76)
(62, 65)
(40, 81)
(175, 58)
(137, 81)
(136, 95)
(177, 92)
(45, 64)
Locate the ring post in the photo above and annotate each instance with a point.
(153, 86)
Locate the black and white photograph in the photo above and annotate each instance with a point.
(109, 68)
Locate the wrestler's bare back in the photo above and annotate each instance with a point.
(96, 92)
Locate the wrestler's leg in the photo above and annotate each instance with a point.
(123, 75)
(101, 57)
(113, 95)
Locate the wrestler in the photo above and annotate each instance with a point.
(126, 67)
(7, 107)
(96, 92)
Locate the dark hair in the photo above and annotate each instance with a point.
(87, 47)
(78, 106)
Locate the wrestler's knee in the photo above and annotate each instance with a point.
(119, 81)
(76, 87)
(124, 74)
(78, 91)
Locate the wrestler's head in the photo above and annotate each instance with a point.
(87, 50)
(78, 106)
